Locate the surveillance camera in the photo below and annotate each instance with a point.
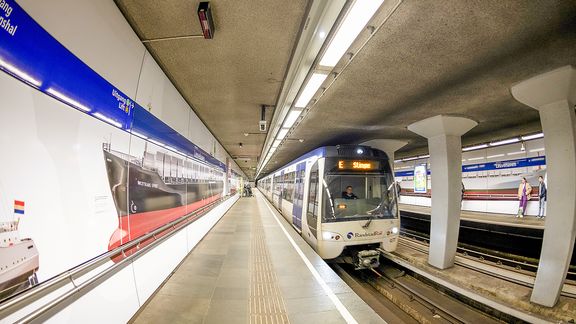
(262, 125)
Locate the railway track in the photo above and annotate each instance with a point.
(422, 303)
(512, 270)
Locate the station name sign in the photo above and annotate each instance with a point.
(509, 164)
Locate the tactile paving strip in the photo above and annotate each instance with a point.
(266, 303)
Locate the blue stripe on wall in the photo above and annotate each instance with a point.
(30, 54)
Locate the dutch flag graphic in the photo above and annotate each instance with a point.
(18, 207)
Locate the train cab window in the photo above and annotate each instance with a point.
(375, 197)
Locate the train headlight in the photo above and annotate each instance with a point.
(330, 236)
(394, 230)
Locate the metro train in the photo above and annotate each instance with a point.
(311, 193)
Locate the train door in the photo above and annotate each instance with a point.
(313, 207)
(298, 195)
(282, 188)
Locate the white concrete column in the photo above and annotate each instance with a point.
(445, 148)
(553, 94)
(390, 146)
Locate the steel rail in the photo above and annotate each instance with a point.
(501, 262)
(492, 273)
(434, 307)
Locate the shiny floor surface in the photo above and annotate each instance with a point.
(247, 270)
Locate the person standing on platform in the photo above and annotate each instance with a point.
(542, 197)
(524, 190)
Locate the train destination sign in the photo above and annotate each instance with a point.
(358, 165)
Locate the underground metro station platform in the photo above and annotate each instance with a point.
(303, 161)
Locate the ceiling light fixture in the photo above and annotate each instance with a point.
(107, 119)
(282, 133)
(292, 118)
(310, 89)
(533, 136)
(356, 19)
(19, 73)
(69, 100)
(475, 147)
(506, 141)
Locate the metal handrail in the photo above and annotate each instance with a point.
(28, 296)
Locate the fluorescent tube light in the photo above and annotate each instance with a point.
(72, 102)
(516, 153)
(310, 89)
(107, 119)
(410, 159)
(19, 73)
(476, 158)
(276, 143)
(424, 156)
(282, 133)
(494, 156)
(291, 118)
(139, 135)
(171, 148)
(476, 147)
(533, 136)
(506, 141)
(356, 19)
(157, 143)
(537, 150)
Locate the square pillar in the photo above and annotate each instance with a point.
(445, 149)
(553, 94)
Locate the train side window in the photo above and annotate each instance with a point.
(312, 212)
(288, 192)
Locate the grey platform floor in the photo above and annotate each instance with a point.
(246, 270)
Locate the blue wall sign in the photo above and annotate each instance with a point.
(30, 54)
(510, 164)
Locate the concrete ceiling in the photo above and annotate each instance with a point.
(441, 57)
(430, 57)
(228, 78)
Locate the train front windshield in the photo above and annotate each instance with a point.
(358, 197)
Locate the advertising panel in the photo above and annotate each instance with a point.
(420, 178)
(85, 169)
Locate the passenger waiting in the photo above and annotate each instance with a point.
(524, 190)
(542, 195)
(348, 194)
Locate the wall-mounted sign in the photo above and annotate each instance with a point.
(420, 178)
(508, 164)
